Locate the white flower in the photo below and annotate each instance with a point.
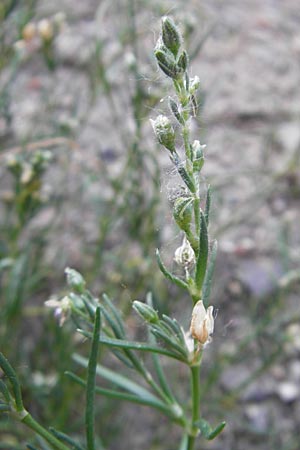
(202, 323)
(184, 255)
(62, 308)
(189, 342)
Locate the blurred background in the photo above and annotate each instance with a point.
(84, 184)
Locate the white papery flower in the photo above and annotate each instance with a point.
(202, 323)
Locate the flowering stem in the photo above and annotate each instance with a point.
(195, 374)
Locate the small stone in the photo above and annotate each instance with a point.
(258, 416)
(288, 391)
(259, 391)
(294, 370)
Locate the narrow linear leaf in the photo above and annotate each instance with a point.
(175, 326)
(110, 320)
(207, 205)
(186, 178)
(4, 391)
(207, 431)
(169, 341)
(67, 439)
(12, 376)
(90, 385)
(115, 312)
(160, 372)
(157, 404)
(131, 345)
(217, 431)
(4, 407)
(206, 288)
(201, 262)
(117, 379)
(167, 274)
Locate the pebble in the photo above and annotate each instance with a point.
(288, 391)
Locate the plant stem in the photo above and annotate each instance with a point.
(197, 214)
(90, 385)
(195, 374)
(41, 431)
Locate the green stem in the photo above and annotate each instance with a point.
(186, 140)
(41, 431)
(195, 375)
(90, 385)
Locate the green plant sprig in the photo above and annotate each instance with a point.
(194, 256)
(173, 61)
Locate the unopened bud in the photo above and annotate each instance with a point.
(29, 31)
(183, 61)
(198, 157)
(166, 63)
(194, 84)
(45, 30)
(146, 312)
(75, 280)
(27, 173)
(182, 212)
(170, 35)
(164, 132)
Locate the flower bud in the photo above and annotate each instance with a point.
(198, 157)
(164, 132)
(27, 173)
(166, 63)
(170, 35)
(45, 30)
(146, 312)
(75, 280)
(202, 323)
(184, 255)
(182, 212)
(194, 85)
(29, 31)
(183, 61)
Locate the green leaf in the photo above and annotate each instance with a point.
(130, 345)
(201, 262)
(118, 379)
(4, 391)
(167, 274)
(90, 385)
(115, 313)
(64, 438)
(207, 205)
(13, 379)
(186, 178)
(207, 431)
(4, 407)
(159, 333)
(175, 327)
(157, 404)
(209, 274)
